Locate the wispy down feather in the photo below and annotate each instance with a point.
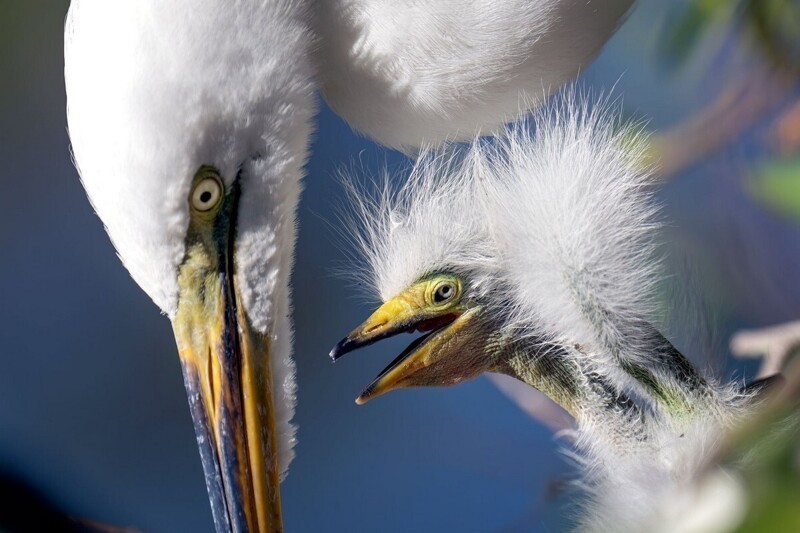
(555, 224)
(432, 222)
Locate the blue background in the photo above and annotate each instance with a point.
(92, 406)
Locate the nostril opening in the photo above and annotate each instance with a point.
(373, 328)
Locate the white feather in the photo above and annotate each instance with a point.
(555, 223)
(156, 89)
(414, 72)
(574, 222)
(572, 212)
(626, 487)
(402, 234)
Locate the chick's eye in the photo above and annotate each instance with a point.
(443, 293)
(206, 194)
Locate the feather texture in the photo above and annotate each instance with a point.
(575, 222)
(412, 72)
(153, 94)
(555, 224)
(428, 224)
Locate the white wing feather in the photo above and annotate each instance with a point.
(414, 72)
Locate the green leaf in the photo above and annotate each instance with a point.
(777, 187)
(687, 26)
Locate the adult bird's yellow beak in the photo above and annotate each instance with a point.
(228, 378)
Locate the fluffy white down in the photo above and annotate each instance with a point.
(571, 209)
(413, 72)
(428, 224)
(628, 488)
(563, 196)
(152, 95)
(575, 222)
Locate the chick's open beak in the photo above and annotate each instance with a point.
(442, 356)
(402, 314)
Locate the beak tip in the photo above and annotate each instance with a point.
(366, 395)
(341, 348)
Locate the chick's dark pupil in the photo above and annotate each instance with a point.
(205, 197)
(444, 293)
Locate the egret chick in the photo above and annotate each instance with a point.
(539, 248)
(433, 261)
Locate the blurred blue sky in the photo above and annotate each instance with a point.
(92, 406)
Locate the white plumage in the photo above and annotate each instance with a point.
(553, 227)
(402, 233)
(154, 93)
(575, 221)
(412, 71)
(161, 92)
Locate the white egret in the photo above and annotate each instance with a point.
(533, 257)
(433, 262)
(190, 123)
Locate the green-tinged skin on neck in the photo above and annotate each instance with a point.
(555, 372)
(676, 386)
(679, 393)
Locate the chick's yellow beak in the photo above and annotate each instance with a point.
(449, 351)
(404, 313)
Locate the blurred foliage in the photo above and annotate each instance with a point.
(761, 40)
(775, 24)
(770, 447)
(774, 485)
(769, 27)
(777, 186)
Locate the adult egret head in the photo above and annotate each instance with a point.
(190, 138)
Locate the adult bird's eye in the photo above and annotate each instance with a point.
(206, 194)
(443, 293)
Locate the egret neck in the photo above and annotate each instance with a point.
(555, 370)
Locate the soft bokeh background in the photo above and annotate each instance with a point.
(92, 408)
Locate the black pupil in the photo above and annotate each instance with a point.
(444, 293)
(205, 196)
